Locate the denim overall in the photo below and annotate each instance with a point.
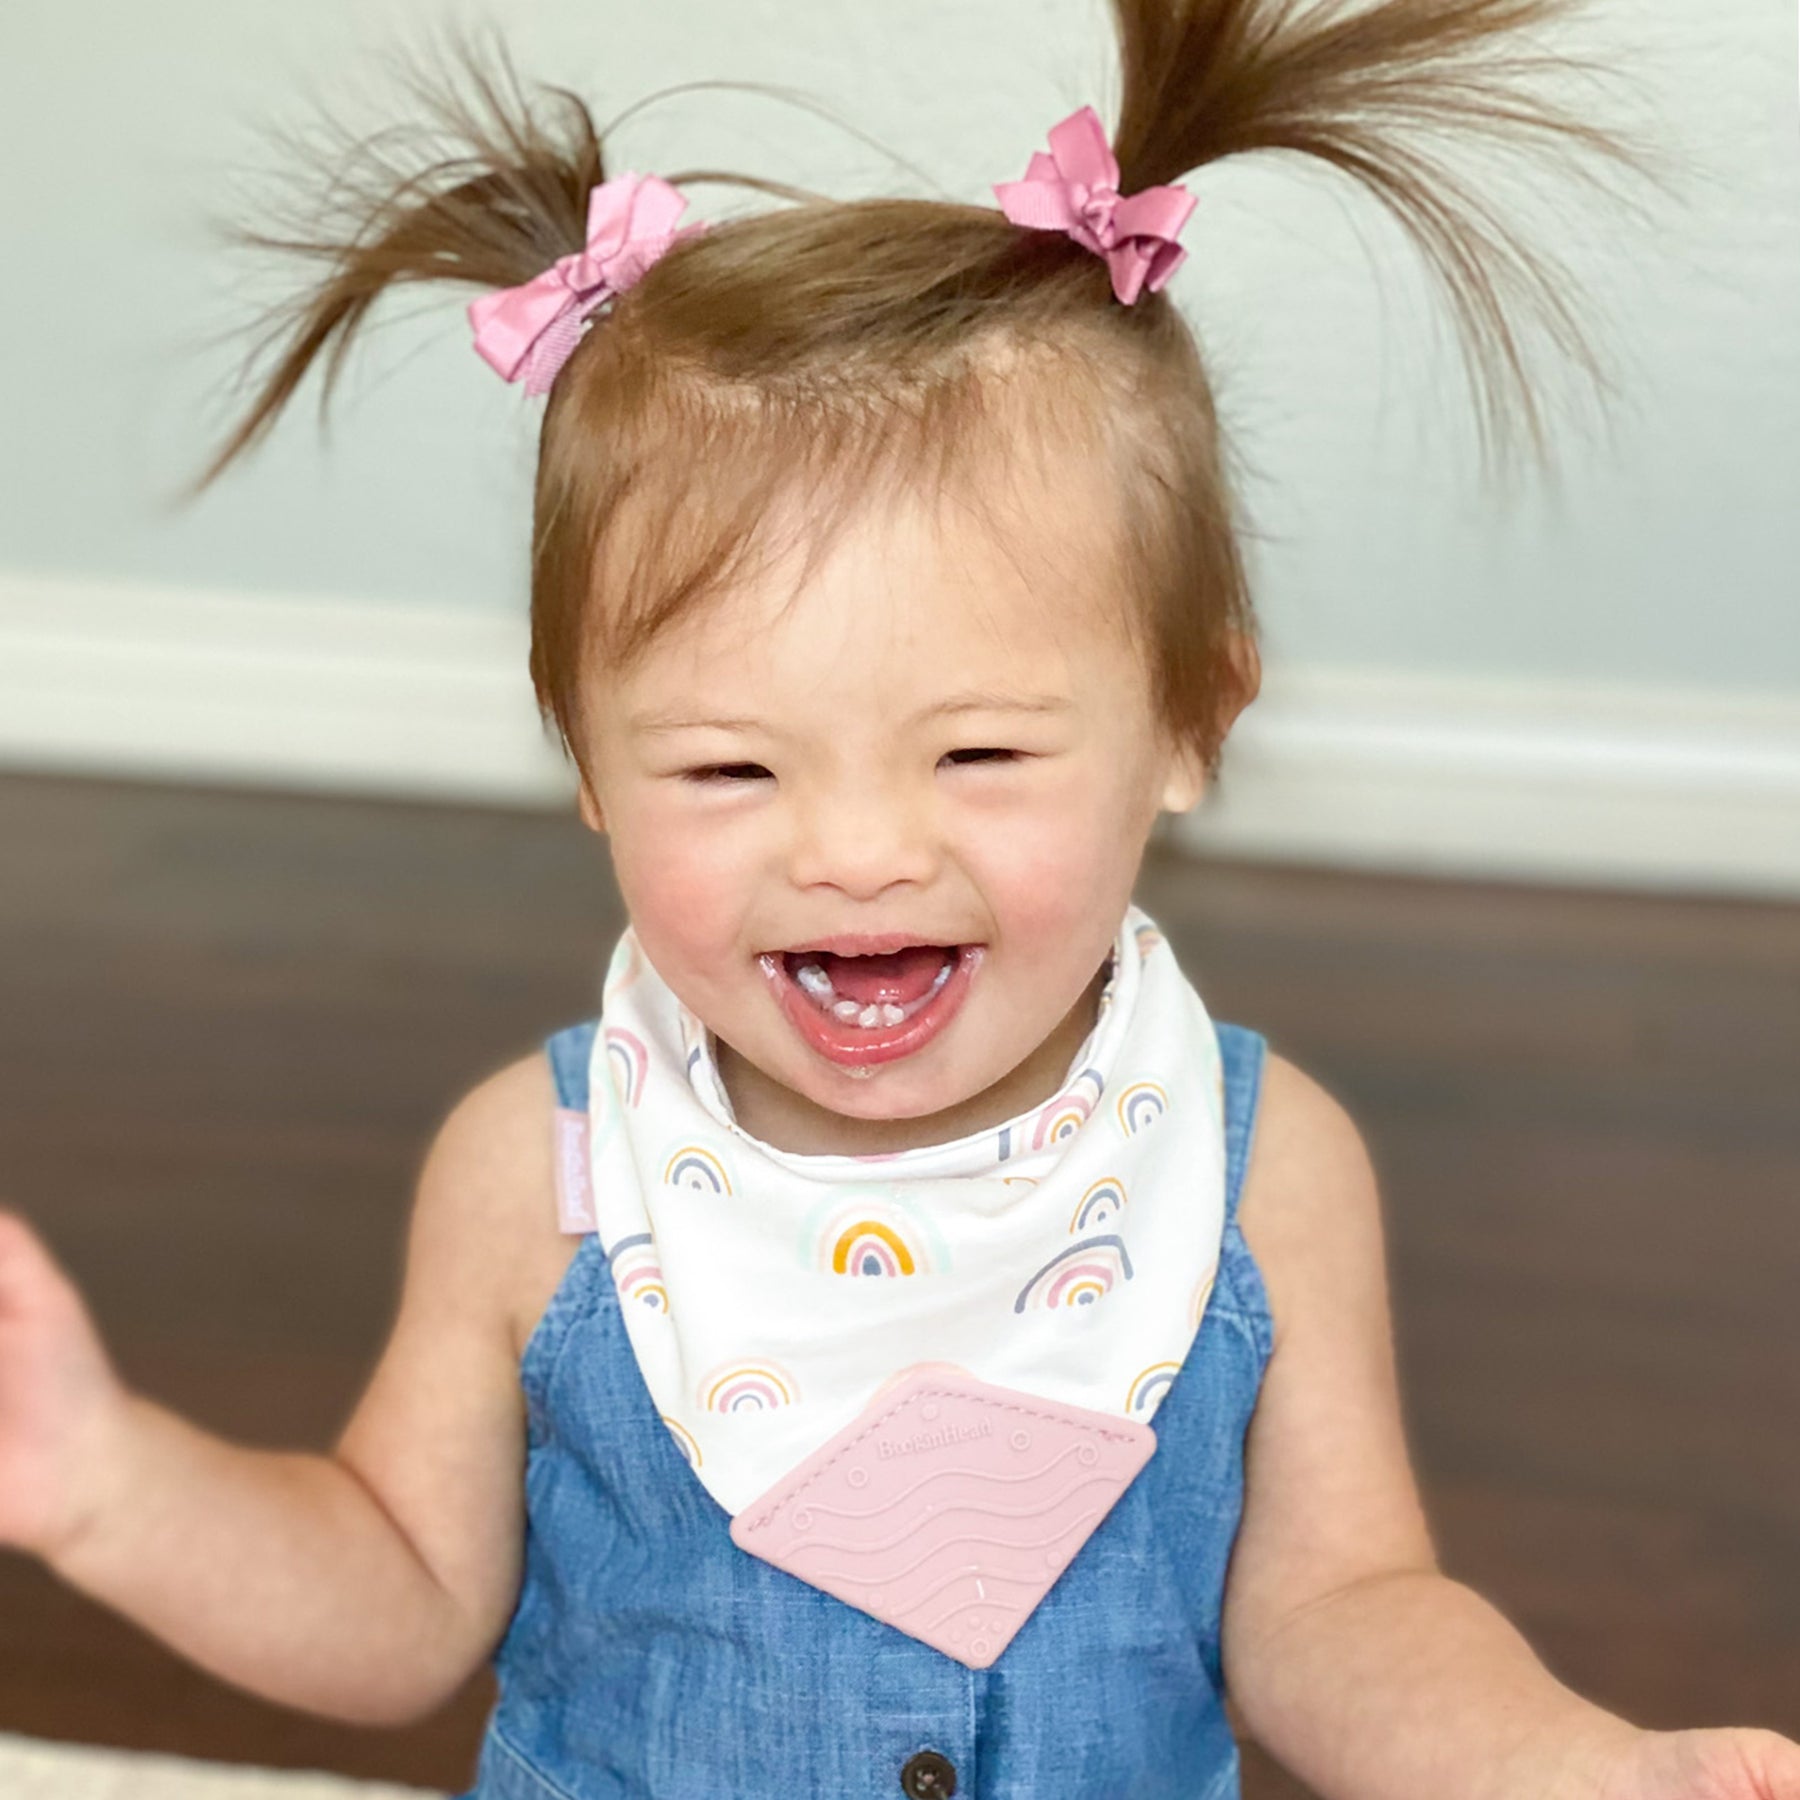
(649, 1658)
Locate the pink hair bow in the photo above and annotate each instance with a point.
(532, 329)
(1076, 189)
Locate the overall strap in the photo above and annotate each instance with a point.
(569, 1052)
(1242, 1051)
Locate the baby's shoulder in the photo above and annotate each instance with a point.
(496, 1154)
(1309, 1209)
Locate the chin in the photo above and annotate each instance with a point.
(883, 1091)
(877, 1098)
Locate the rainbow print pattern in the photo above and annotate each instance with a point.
(626, 966)
(1148, 937)
(1141, 1105)
(1202, 1294)
(871, 1242)
(685, 1440)
(637, 1272)
(629, 1062)
(749, 1387)
(1062, 1117)
(1077, 1276)
(1100, 1205)
(1147, 1388)
(694, 1166)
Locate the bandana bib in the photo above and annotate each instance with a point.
(1060, 1261)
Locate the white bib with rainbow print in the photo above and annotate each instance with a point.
(1069, 1252)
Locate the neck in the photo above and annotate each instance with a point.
(785, 1120)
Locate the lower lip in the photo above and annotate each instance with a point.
(852, 1047)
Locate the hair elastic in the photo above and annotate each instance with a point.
(531, 330)
(1076, 189)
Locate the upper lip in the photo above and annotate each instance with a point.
(866, 943)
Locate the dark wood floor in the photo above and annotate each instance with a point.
(230, 1022)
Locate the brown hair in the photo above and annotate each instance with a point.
(812, 352)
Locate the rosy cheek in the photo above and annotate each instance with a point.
(679, 894)
(677, 886)
(1054, 864)
(1054, 901)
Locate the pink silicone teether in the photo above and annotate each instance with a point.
(948, 1506)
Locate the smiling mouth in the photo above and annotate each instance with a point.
(860, 1008)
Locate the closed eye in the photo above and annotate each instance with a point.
(981, 755)
(721, 774)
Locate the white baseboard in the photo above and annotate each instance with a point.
(319, 695)
(1673, 789)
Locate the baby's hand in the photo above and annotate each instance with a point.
(1704, 1765)
(59, 1394)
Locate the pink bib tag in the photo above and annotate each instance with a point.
(948, 1506)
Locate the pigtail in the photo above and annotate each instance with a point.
(1206, 79)
(793, 363)
(485, 190)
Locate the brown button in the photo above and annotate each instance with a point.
(928, 1776)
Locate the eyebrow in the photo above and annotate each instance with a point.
(974, 702)
(653, 722)
(991, 701)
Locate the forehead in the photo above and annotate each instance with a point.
(1008, 578)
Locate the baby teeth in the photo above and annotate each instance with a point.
(869, 1017)
(815, 981)
(885, 1014)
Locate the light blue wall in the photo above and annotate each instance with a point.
(1673, 554)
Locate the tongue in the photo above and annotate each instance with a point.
(898, 977)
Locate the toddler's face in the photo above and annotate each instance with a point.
(880, 835)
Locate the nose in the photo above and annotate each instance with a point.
(862, 836)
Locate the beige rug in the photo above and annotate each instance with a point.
(39, 1769)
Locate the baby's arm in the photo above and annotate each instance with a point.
(1349, 1656)
(366, 1584)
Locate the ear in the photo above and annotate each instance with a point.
(1184, 779)
(589, 808)
(1242, 680)
(1245, 681)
